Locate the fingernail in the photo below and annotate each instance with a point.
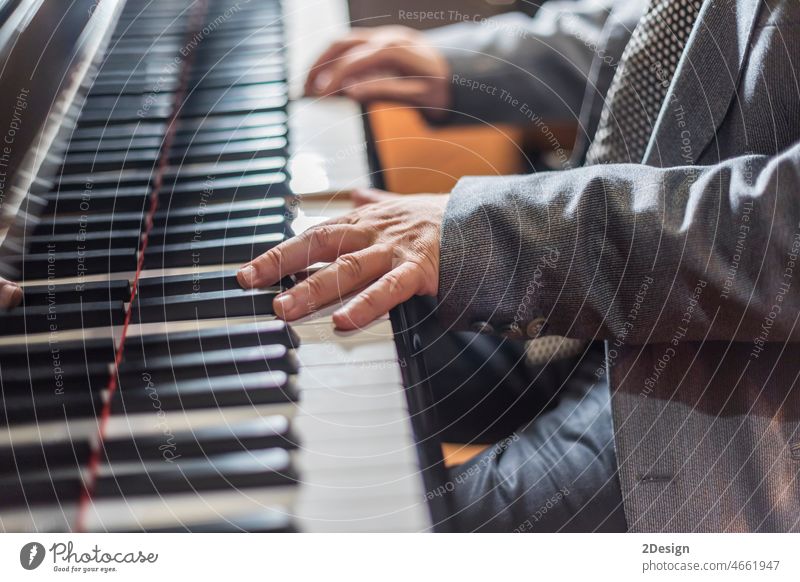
(246, 275)
(340, 316)
(283, 305)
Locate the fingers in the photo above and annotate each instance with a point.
(326, 59)
(321, 243)
(402, 90)
(362, 196)
(348, 273)
(10, 294)
(359, 61)
(389, 291)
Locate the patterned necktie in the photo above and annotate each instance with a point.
(632, 106)
(641, 81)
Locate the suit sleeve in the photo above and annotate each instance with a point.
(640, 253)
(506, 68)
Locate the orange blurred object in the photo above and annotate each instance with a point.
(417, 157)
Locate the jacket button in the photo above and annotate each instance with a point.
(482, 327)
(536, 327)
(512, 331)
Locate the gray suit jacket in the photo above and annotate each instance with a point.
(687, 264)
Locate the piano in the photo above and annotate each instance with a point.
(150, 148)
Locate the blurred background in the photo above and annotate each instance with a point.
(380, 12)
(421, 158)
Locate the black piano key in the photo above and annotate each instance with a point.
(237, 93)
(165, 216)
(234, 390)
(125, 199)
(113, 290)
(241, 63)
(104, 118)
(109, 181)
(241, 150)
(262, 468)
(274, 332)
(202, 136)
(56, 378)
(241, 77)
(210, 135)
(205, 305)
(73, 264)
(99, 161)
(106, 180)
(127, 102)
(229, 169)
(212, 44)
(265, 432)
(96, 161)
(210, 252)
(43, 456)
(237, 65)
(271, 103)
(39, 406)
(153, 287)
(259, 468)
(231, 122)
(171, 369)
(219, 230)
(69, 243)
(114, 144)
(66, 352)
(74, 224)
(48, 318)
(258, 186)
(135, 85)
(138, 129)
(173, 234)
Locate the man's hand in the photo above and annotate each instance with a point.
(387, 62)
(387, 248)
(10, 294)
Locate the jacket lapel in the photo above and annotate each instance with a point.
(704, 83)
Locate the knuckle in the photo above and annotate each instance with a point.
(321, 236)
(315, 286)
(272, 259)
(369, 299)
(394, 283)
(350, 266)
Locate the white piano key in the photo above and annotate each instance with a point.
(338, 377)
(379, 450)
(353, 426)
(327, 470)
(351, 354)
(380, 514)
(322, 402)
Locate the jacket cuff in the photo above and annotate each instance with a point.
(491, 278)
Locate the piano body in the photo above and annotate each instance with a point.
(151, 147)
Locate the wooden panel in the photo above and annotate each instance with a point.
(417, 157)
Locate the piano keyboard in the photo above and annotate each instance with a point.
(143, 390)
